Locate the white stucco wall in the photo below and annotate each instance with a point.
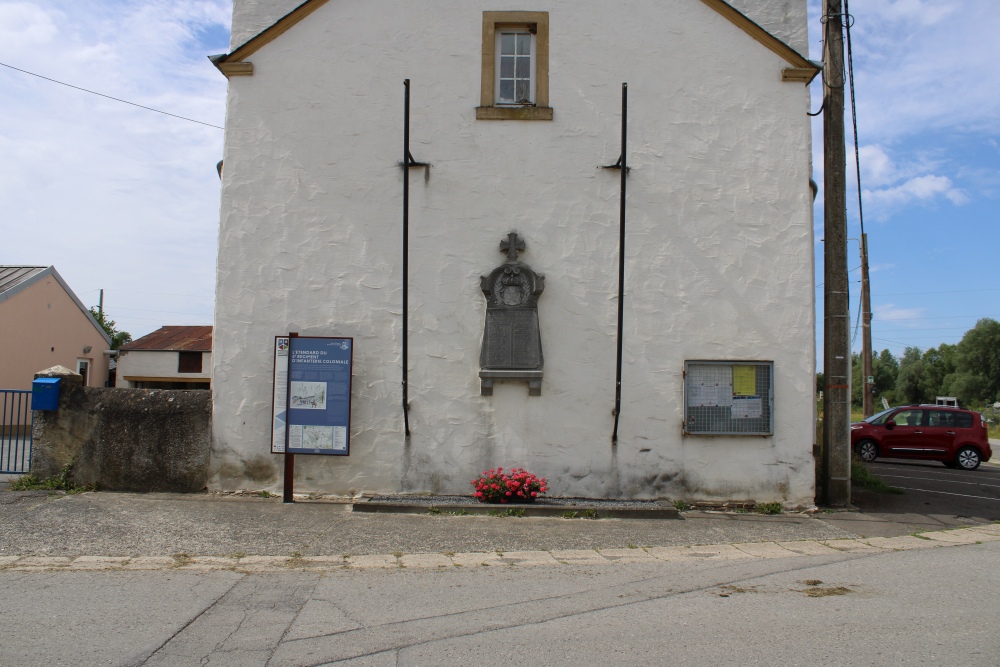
(785, 19)
(719, 249)
(159, 364)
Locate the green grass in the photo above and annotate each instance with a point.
(60, 482)
(863, 477)
(769, 508)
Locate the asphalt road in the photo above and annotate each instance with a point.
(924, 606)
(928, 603)
(975, 494)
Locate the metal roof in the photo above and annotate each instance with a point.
(12, 276)
(192, 338)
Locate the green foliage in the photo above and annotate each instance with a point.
(570, 514)
(589, 514)
(510, 511)
(885, 369)
(60, 482)
(118, 338)
(680, 505)
(969, 371)
(910, 381)
(768, 508)
(977, 378)
(861, 476)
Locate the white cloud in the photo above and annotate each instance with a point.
(889, 312)
(918, 12)
(889, 185)
(920, 188)
(24, 26)
(114, 196)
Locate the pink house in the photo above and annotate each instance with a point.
(44, 324)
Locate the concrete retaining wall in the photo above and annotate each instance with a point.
(126, 439)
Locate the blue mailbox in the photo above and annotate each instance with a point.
(45, 394)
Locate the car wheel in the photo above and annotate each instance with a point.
(968, 458)
(867, 450)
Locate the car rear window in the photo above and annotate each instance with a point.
(963, 420)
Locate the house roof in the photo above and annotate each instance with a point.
(802, 69)
(184, 338)
(15, 279)
(12, 276)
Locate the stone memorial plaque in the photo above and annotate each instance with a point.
(512, 342)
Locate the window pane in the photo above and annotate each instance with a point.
(523, 90)
(523, 44)
(507, 67)
(507, 90)
(523, 68)
(507, 43)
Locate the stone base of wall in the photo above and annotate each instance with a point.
(126, 439)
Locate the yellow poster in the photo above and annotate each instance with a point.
(744, 380)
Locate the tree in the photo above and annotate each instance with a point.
(977, 364)
(909, 380)
(885, 368)
(939, 365)
(118, 338)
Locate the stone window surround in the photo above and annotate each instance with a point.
(488, 109)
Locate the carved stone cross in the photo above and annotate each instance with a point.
(511, 245)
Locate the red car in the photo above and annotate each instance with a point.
(954, 436)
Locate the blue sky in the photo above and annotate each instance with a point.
(127, 200)
(928, 112)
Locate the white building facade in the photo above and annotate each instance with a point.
(718, 346)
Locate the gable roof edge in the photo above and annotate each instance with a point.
(51, 271)
(232, 64)
(801, 66)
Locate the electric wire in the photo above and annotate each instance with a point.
(854, 111)
(116, 99)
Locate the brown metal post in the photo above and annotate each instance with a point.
(836, 321)
(289, 484)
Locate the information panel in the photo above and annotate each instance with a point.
(318, 386)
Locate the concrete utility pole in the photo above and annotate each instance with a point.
(836, 321)
(868, 400)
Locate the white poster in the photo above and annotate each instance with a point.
(279, 394)
(747, 408)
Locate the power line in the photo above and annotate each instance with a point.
(963, 291)
(92, 92)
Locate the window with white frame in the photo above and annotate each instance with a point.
(515, 80)
(728, 397)
(515, 76)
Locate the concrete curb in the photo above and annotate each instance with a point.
(450, 561)
(530, 510)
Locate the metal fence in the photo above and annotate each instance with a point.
(728, 398)
(15, 431)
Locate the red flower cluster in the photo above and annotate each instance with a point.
(514, 486)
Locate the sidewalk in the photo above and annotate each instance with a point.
(122, 530)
